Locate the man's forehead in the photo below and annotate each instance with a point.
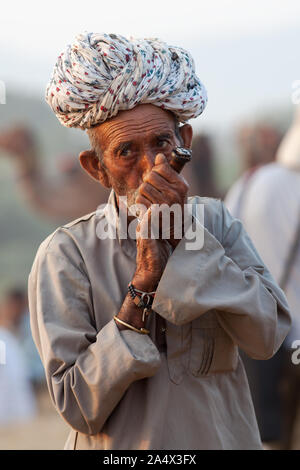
(145, 120)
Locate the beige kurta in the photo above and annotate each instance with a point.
(182, 389)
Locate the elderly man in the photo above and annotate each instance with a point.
(139, 337)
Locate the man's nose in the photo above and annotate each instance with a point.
(148, 160)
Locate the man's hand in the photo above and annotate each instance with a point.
(163, 185)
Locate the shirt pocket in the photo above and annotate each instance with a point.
(212, 350)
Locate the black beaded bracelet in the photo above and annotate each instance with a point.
(131, 291)
(141, 299)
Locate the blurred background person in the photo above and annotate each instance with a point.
(270, 211)
(76, 195)
(257, 145)
(31, 357)
(17, 400)
(200, 173)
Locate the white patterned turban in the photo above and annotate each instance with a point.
(101, 74)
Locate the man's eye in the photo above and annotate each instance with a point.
(126, 152)
(162, 143)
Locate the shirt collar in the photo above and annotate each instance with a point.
(118, 225)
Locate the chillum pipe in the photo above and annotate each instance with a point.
(180, 156)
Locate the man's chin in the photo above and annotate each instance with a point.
(128, 202)
(132, 197)
(131, 203)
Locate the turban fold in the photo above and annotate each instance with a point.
(101, 74)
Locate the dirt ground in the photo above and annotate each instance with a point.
(48, 430)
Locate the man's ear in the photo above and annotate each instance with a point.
(186, 133)
(91, 164)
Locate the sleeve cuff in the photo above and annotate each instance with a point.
(137, 351)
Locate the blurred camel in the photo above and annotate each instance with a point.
(77, 195)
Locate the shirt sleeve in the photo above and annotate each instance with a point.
(228, 276)
(87, 371)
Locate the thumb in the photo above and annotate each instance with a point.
(159, 159)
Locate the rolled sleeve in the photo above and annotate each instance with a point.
(87, 371)
(226, 275)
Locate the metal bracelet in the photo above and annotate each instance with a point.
(142, 331)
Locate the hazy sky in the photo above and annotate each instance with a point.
(247, 53)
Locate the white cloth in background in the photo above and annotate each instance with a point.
(270, 212)
(17, 401)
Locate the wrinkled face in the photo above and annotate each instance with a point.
(129, 144)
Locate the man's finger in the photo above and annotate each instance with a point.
(162, 167)
(158, 181)
(163, 184)
(152, 193)
(143, 200)
(160, 159)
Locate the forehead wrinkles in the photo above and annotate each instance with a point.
(131, 128)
